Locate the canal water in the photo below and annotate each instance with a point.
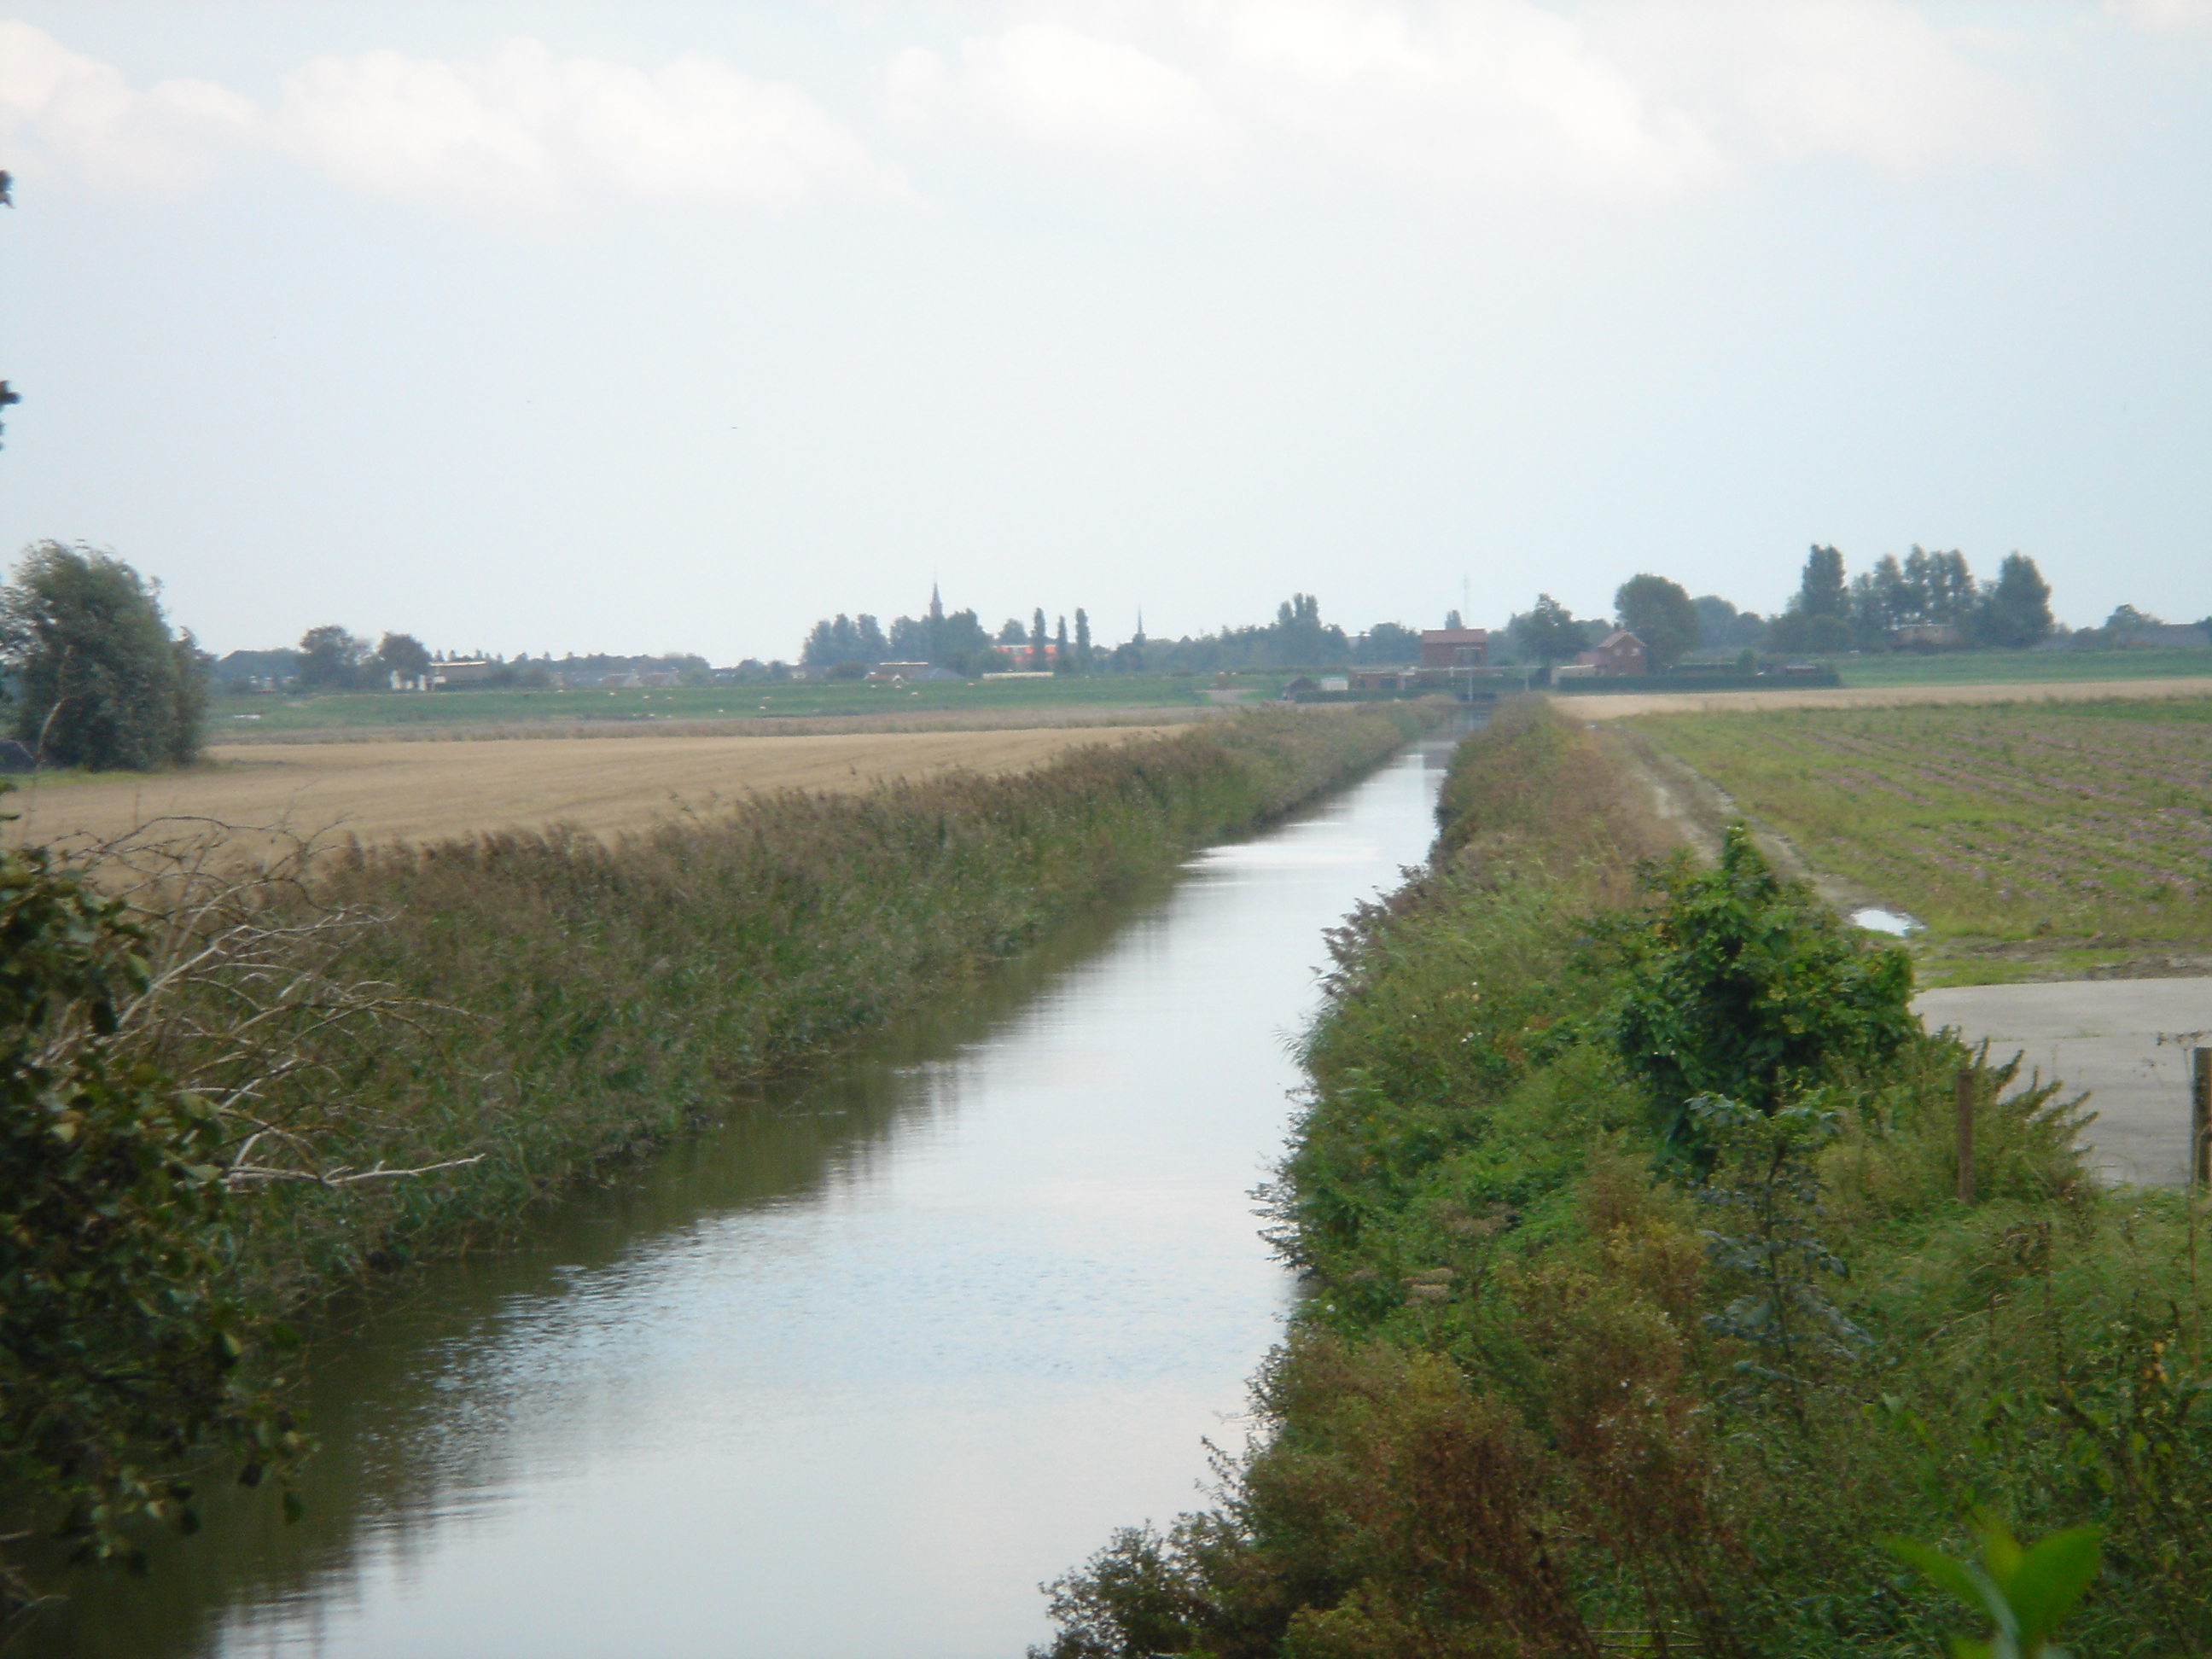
(848, 1376)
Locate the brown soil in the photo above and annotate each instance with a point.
(414, 791)
(1602, 708)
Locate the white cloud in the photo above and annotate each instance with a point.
(1616, 98)
(2162, 13)
(1871, 80)
(521, 126)
(75, 112)
(518, 127)
(1051, 84)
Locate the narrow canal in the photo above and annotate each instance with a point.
(846, 1378)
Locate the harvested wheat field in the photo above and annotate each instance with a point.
(404, 791)
(1599, 707)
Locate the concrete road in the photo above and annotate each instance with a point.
(2127, 1041)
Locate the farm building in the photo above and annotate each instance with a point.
(1451, 648)
(1618, 652)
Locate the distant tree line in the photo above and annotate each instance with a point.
(1297, 638)
(1925, 599)
(330, 658)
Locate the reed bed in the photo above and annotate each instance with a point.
(545, 1003)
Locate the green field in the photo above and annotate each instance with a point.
(233, 718)
(2016, 667)
(2025, 838)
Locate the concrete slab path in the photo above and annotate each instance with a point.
(2127, 1041)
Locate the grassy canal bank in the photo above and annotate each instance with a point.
(1645, 1303)
(230, 1096)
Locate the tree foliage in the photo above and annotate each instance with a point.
(402, 654)
(1548, 632)
(330, 659)
(120, 1348)
(1744, 985)
(1660, 614)
(2016, 610)
(98, 679)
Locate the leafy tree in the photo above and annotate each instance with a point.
(120, 1348)
(330, 659)
(99, 681)
(1082, 640)
(1943, 584)
(1660, 614)
(1720, 623)
(1036, 638)
(2016, 609)
(1744, 985)
(1063, 662)
(402, 654)
(846, 638)
(1548, 632)
(1012, 633)
(1820, 587)
(1388, 642)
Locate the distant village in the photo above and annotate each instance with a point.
(1925, 602)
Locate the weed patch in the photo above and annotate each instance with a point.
(1557, 1389)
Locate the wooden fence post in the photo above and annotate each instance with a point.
(1965, 1091)
(2200, 1118)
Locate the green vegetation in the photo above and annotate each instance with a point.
(2055, 824)
(1926, 599)
(295, 1078)
(95, 677)
(1557, 1389)
(120, 1334)
(2025, 1595)
(2018, 667)
(231, 719)
(1660, 614)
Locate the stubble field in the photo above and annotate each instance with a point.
(2035, 838)
(417, 791)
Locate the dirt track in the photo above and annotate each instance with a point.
(1602, 708)
(426, 791)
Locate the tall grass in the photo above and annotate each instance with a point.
(548, 1002)
(1543, 1398)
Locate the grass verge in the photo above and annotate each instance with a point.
(1562, 1386)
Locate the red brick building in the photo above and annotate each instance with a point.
(1450, 648)
(1618, 652)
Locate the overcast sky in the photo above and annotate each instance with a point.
(638, 326)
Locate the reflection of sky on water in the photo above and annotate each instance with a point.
(1291, 851)
(989, 1317)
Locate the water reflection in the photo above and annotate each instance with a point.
(850, 1375)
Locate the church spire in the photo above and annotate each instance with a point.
(936, 604)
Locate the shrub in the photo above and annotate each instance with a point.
(121, 1343)
(1741, 985)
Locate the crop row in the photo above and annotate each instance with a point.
(2004, 821)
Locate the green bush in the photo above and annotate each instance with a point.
(1741, 985)
(123, 1348)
